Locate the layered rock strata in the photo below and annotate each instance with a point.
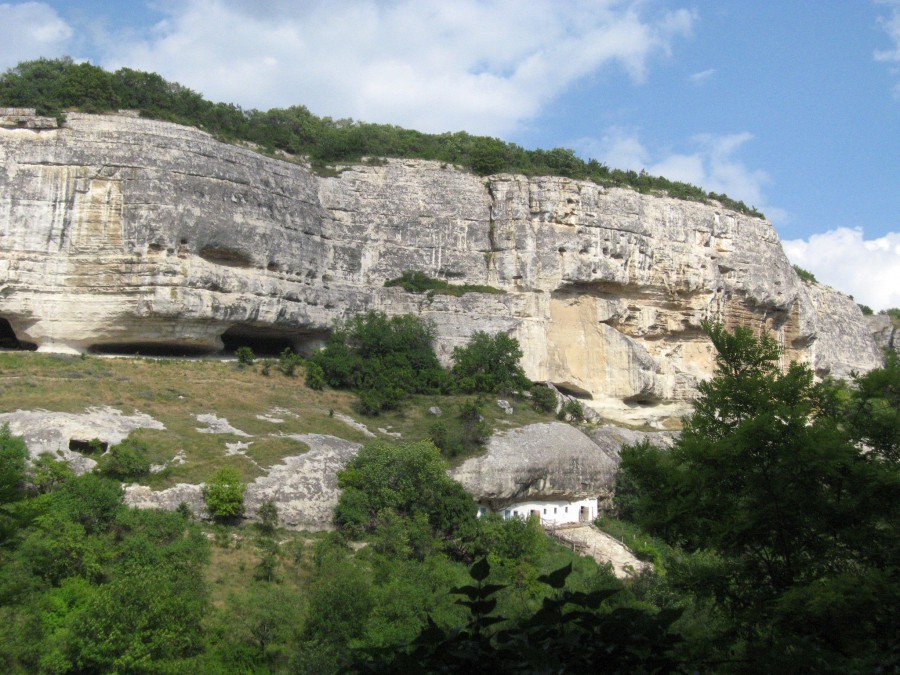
(120, 233)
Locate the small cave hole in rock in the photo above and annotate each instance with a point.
(92, 447)
(150, 349)
(569, 389)
(228, 257)
(267, 341)
(641, 401)
(8, 339)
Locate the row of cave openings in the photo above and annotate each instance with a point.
(264, 341)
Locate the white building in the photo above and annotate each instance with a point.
(550, 511)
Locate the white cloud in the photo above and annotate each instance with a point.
(481, 65)
(711, 164)
(869, 270)
(702, 76)
(31, 30)
(891, 26)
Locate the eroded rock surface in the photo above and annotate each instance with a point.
(304, 488)
(124, 233)
(548, 461)
(52, 432)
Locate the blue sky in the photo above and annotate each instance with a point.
(791, 106)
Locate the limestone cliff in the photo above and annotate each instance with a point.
(124, 233)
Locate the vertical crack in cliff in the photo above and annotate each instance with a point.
(492, 227)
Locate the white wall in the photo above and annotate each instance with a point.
(551, 512)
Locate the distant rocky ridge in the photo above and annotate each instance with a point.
(121, 233)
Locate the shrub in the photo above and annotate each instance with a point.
(125, 461)
(245, 356)
(572, 411)
(489, 364)
(288, 361)
(224, 494)
(315, 376)
(475, 429)
(450, 444)
(268, 516)
(805, 275)
(419, 282)
(48, 473)
(543, 398)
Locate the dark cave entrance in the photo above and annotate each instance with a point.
(268, 341)
(8, 339)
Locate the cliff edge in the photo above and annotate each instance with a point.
(125, 234)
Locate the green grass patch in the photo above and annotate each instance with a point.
(270, 451)
(419, 282)
(175, 391)
(644, 546)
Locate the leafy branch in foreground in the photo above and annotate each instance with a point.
(570, 632)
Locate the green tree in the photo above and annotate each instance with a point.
(127, 460)
(90, 500)
(48, 473)
(13, 456)
(764, 475)
(384, 359)
(224, 494)
(570, 632)
(489, 364)
(543, 398)
(385, 480)
(875, 409)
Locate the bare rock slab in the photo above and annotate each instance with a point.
(304, 488)
(51, 432)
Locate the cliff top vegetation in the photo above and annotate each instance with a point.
(53, 86)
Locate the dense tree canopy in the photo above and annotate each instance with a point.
(489, 364)
(766, 477)
(386, 480)
(384, 359)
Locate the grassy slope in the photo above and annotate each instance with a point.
(175, 391)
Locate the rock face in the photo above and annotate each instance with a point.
(53, 432)
(303, 488)
(548, 461)
(120, 233)
(886, 335)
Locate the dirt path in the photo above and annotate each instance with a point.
(587, 540)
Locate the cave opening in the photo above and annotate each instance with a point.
(573, 390)
(9, 339)
(93, 446)
(268, 341)
(641, 401)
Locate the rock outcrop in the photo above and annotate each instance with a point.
(303, 488)
(55, 433)
(548, 461)
(120, 233)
